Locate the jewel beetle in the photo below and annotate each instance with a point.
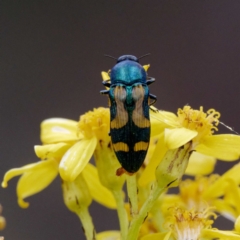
(129, 111)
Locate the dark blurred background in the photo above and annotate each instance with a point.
(51, 56)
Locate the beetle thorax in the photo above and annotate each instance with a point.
(128, 72)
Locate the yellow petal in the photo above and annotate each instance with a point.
(237, 224)
(200, 164)
(217, 189)
(232, 197)
(36, 177)
(224, 209)
(222, 146)
(146, 67)
(109, 235)
(221, 235)
(157, 127)
(55, 130)
(148, 173)
(16, 172)
(34, 181)
(165, 119)
(151, 148)
(229, 206)
(56, 150)
(76, 158)
(105, 76)
(99, 193)
(177, 137)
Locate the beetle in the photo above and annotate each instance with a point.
(129, 112)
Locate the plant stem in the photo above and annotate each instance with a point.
(143, 213)
(158, 215)
(122, 214)
(87, 223)
(132, 194)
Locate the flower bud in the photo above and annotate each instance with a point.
(107, 165)
(76, 194)
(172, 167)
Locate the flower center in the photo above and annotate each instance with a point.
(204, 123)
(95, 123)
(192, 191)
(187, 225)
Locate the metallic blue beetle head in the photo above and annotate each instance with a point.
(127, 57)
(128, 71)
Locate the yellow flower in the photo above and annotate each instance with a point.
(188, 224)
(95, 126)
(226, 193)
(191, 224)
(198, 127)
(65, 147)
(195, 126)
(93, 129)
(35, 177)
(220, 192)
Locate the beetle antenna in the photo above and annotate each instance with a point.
(144, 55)
(105, 55)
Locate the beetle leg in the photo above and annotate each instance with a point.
(107, 83)
(150, 81)
(104, 92)
(153, 97)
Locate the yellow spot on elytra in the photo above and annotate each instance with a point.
(121, 118)
(140, 146)
(138, 116)
(120, 146)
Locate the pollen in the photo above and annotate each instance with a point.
(204, 123)
(188, 224)
(95, 123)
